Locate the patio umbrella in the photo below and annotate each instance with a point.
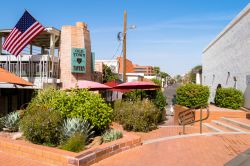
(91, 85)
(113, 84)
(137, 85)
(10, 78)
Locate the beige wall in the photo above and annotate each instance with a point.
(74, 37)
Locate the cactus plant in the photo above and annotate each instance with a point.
(111, 135)
(76, 125)
(11, 122)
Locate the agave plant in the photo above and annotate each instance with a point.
(10, 122)
(111, 135)
(77, 125)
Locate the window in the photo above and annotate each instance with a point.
(36, 69)
(25, 69)
(14, 68)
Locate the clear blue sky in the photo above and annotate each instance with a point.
(170, 33)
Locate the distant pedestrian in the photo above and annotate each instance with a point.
(174, 100)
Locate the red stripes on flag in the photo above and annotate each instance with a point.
(16, 41)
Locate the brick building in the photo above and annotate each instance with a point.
(147, 70)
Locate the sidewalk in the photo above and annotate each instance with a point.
(7, 159)
(193, 151)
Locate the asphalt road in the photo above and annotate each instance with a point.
(169, 92)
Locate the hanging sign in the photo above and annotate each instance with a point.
(78, 60)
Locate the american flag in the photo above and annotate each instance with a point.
(26, 29)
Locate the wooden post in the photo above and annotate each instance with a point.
(31, 51)
(0, 43)
(124, 46)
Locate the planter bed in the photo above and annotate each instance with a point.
(215, 113)
(57, 156)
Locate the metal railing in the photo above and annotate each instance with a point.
(188, 116)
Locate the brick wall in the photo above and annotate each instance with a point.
(74, 37)
(54, 156)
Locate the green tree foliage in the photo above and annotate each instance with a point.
(157, 70)
(192, 95)
(156, 81)
(229, 98)
(108, 75)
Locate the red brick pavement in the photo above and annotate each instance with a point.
(7, 159)
(191, 151)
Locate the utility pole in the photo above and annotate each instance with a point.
(124, 46)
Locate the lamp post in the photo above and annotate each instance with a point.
(123, 37)
(124, 46)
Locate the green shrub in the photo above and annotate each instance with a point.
(156, 96)
(76, 125)
(159, 100)
(135, 95)
(75, 143)
(137, 116)
(11, 121)
(79, 103)
(192, 95)
(91, 107)
(229, 98)
(41, 125)
(111, 135)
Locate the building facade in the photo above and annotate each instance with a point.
(226, 60)
(147, 70)
(57, 58)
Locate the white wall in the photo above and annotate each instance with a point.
(228, 56)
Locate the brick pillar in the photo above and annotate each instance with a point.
(74, 37)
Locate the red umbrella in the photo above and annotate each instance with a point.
(137, 85)
(113, 84)
(91, 85)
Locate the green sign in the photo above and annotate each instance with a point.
(78, 60)
(92, 62)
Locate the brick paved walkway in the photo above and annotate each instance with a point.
(7, 159)
(194, 151)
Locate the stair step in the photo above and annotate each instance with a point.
(229, 127)
(213, 128)
(237, 123)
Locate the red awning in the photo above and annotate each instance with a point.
(8, 77)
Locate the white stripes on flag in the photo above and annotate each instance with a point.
(26, 37)
(12, 38)
(16, 41)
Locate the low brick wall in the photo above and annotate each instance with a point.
(177, 110)
(215, 113)
(64, 158)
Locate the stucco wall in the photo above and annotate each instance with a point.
(229, 56)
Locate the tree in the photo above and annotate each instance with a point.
(190, 77)
(196, 69)
(108, 75)
(157, 70)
